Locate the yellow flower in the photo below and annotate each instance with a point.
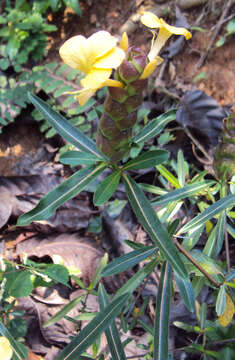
(5, 349)
(95, 57)
(165, 31)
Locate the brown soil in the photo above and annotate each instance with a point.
(16, 141)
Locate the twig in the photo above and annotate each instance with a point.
(221, 342)
(200, 147)
(224, 21)
(195, 263)
(213, 38)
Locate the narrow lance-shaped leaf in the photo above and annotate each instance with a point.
(112, 334)
(148, 218)
(66, 309)
(186, 292)
(87, 335)
(147, 160)
(162, 315)
(221, 301)
(182, 193)
(74, 158)
(154, 127)
(62, 193)
(127, 261)
(181, 168)
(169, 176)
(137, 279)
(100, 267)
(210, 212)
(65, 129)
(106, 188)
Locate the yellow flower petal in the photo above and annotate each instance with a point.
(158, 44)
(6, 351)
(176, 30)
(150, 20)
(75, 54)
(85, 95)
(113, 83)
(95, 78)
(228, 314)
(111, 60)
(150, 67)
(124, 43)
(99, 44)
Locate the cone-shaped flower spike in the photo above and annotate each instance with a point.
(120, 107)
(95, 57)
(165, 31)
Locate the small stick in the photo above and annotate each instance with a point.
(213, 38)
(200, 147)
(195, 263)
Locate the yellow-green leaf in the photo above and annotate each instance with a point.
(227, 315)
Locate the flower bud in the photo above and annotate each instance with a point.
(134, 65)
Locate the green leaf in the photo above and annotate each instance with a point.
(230, 27)
(127, 261)
(4, 64)
(20, 351)
(221, 41)
(58, 273)
(208, 264)
(74, 4)
(184, 192)
(162, 315)
(61, 91)
(148, 218)
(64, 128)
(216, 238)
(155, 126)
(186, 292)
(87, 335)
(181, 168)
(137, 279)
(60, 314)
(20, 283)
(62, 193)
(97, 276)
(153, 189)
(169, 176)
(111, 333)
(75, 158)
(210, 212)
(54, 4)
(221, 301)
(147, 160)
(106, 188)
(18, 326)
